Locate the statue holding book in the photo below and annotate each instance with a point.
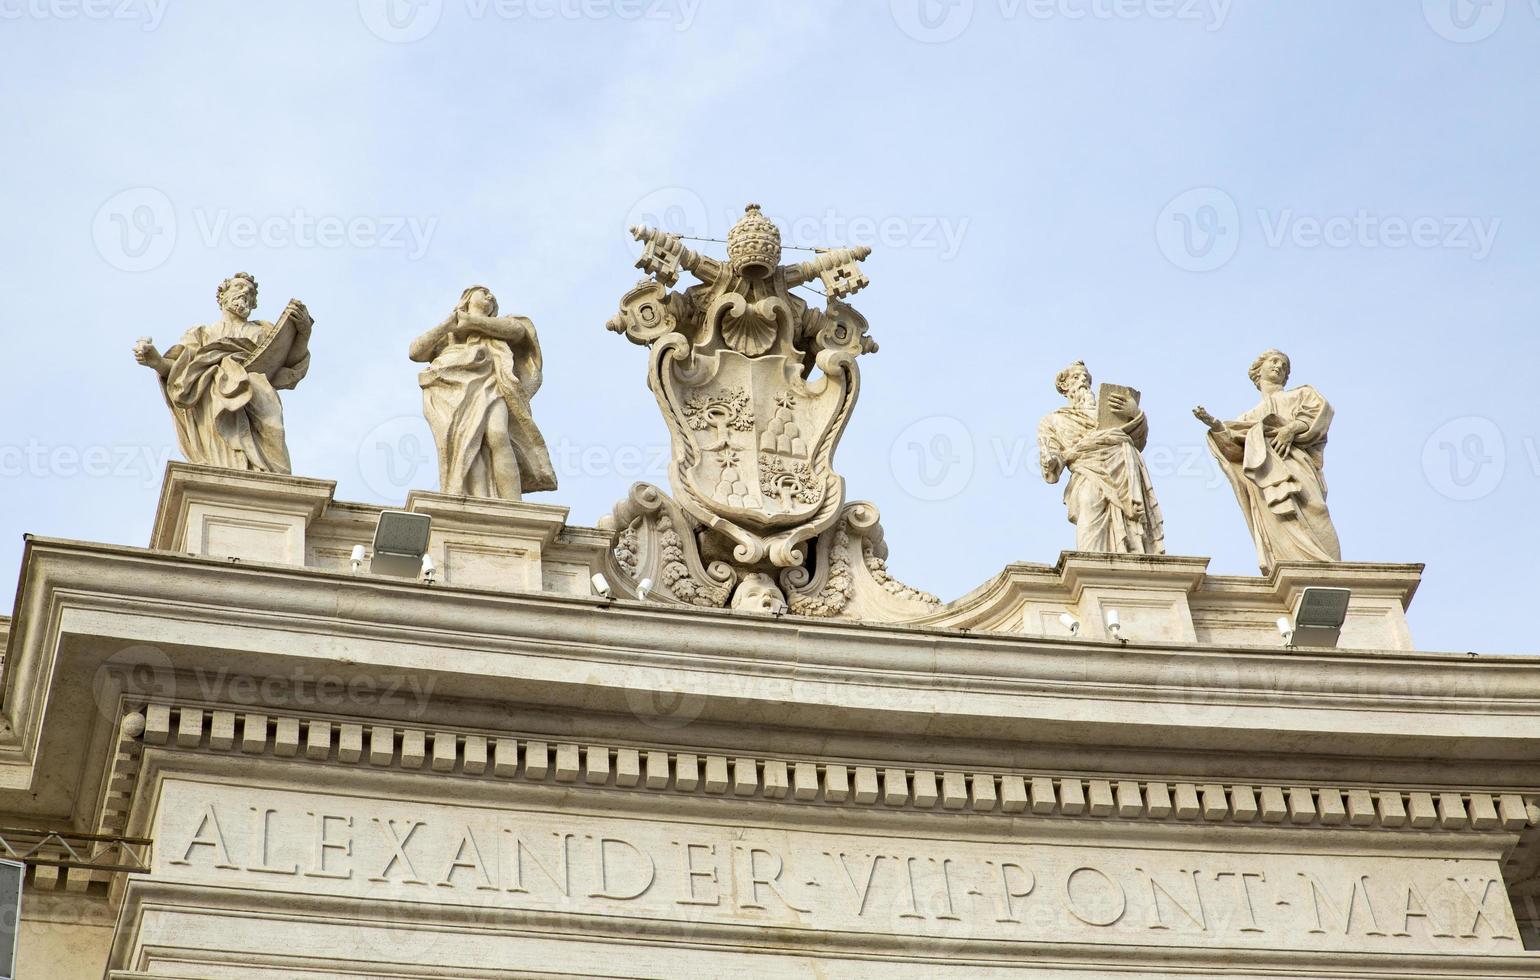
(483, 369)
(222, 380)
(1273, 456)
(1099, 439)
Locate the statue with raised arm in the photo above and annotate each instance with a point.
(222, 380)
(483, 369)
(1109, 495)
(1273, 456)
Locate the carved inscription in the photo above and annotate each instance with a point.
(1046, 891)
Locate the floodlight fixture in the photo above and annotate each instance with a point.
(1319, 616)
(400, 543)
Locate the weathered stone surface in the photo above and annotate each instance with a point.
(483, 370)
(1273, 456)
(221, 381)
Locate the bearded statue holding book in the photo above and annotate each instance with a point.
(222, 380)
(1110, 498)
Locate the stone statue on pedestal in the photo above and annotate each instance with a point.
(1110, 497)
(1273, 456)
(756, 388)
(482, 371)
(221, 381)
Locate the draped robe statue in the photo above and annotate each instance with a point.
(221, 381)
(482, 372)
(1273, 457)
(1109, 495)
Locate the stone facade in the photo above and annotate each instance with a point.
(501, 774)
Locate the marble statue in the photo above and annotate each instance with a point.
(483, 369)
(756, 387)
(1273, 456)
(222, 380)
(1110, 497)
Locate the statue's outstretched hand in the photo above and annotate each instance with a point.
(1203, 415)
(145, 352)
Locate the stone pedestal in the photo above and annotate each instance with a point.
(1171, 599)
(494, 544)
(220, 513)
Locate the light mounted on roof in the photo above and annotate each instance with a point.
(1318, 619)
(400, 544)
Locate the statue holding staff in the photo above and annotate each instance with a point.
(1273, 456)
(483, 369)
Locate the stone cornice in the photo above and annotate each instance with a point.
(557, 760)
(942, 696)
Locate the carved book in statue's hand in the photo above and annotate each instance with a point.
(279, 343)
(1106, 418)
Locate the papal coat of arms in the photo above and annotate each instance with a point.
(756, 387)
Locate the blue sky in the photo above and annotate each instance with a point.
(1163, 188)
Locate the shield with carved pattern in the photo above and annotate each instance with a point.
(753, 440)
